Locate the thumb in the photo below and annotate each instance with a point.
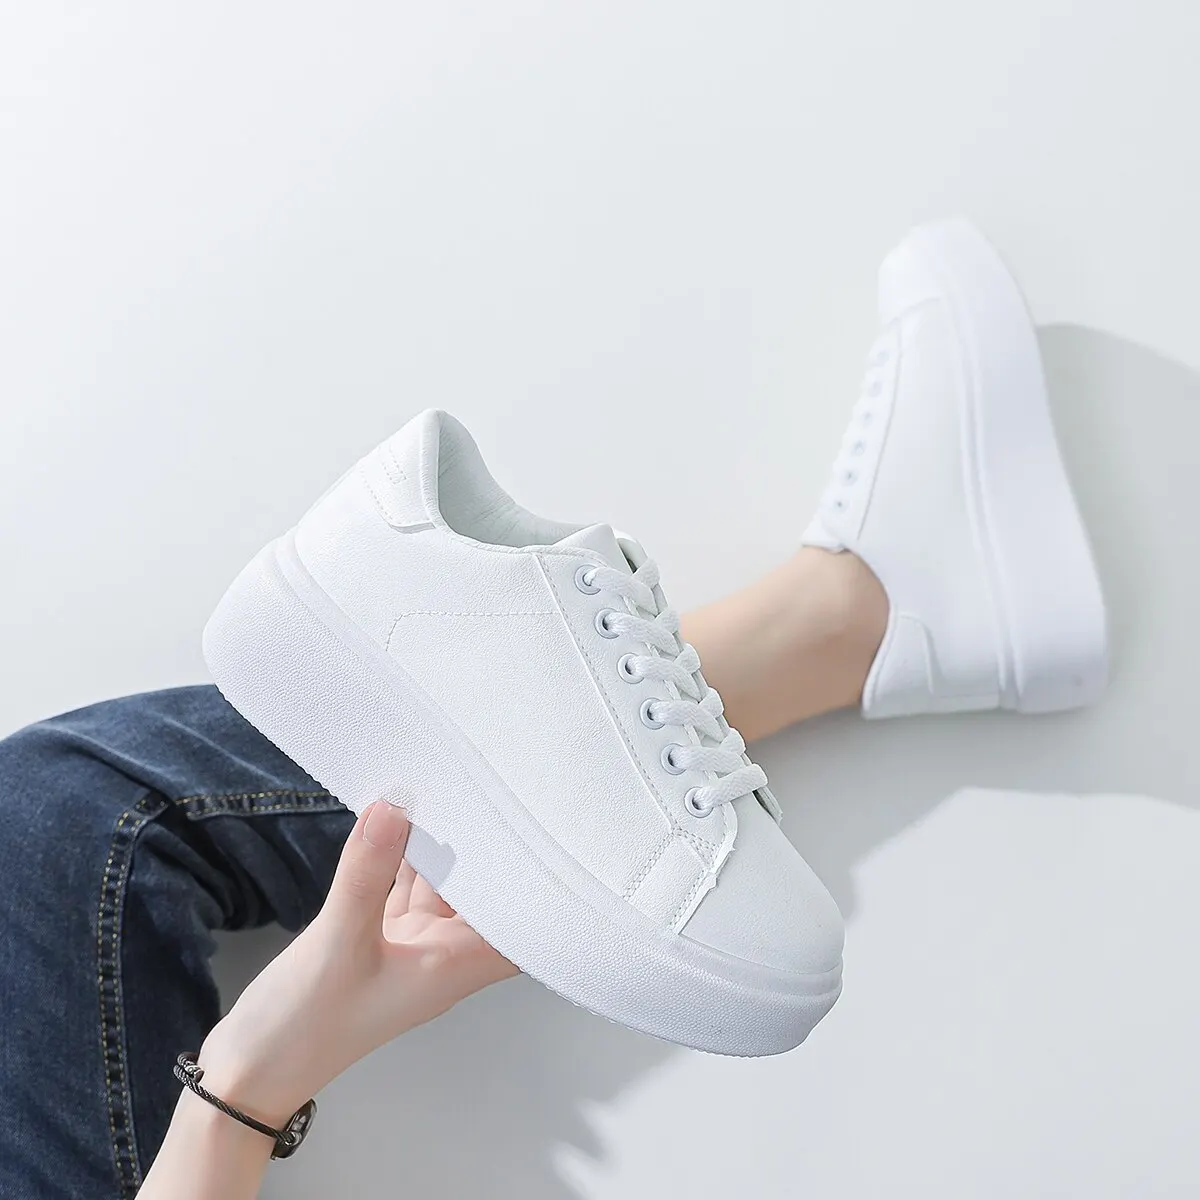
(367, 869)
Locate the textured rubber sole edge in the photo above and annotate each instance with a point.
(290, 661)
(1049, 602)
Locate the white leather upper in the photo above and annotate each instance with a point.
(898, 498)
(786, 918)
(505, 643)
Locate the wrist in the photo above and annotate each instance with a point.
(231, 1076)
(206, 1125)
(207, 1153)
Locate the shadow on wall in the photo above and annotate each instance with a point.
(479, 1102)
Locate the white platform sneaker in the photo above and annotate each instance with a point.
(950, 487)
(519, 685)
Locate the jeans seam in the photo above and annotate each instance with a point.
(222, 796)
(109, 922)
(112, 1001)
(250, 804)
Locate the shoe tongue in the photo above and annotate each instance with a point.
(601, 539)
(817, 535)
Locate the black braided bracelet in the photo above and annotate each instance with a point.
(286, 1139)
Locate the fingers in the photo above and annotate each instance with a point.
(478, 963)
(411, 893)
(368, 867)
(401, 893)
(425, 899)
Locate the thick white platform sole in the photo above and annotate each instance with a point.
(1049, 605)
(295, 666)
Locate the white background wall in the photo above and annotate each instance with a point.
(241, 243)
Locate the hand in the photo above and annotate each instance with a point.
(384, 954)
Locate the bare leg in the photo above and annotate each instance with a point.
(797, 642)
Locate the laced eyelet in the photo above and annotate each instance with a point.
(602, 623)
(858, 448)
(647, 719)
(694, 806)
(668, 759)
(838, 504)
(626, 670)
(849, 476)
(582, 582)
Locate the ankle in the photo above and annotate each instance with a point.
(844, 603)
(835, 627)
(796, 643)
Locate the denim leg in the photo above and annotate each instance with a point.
(129, 832)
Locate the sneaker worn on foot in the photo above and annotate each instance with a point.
(519, 684)
(950, 488)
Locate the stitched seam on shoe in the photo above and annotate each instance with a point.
(635, 758)
(691, 895)
(889, 407)
(383, 512)
(108, 978)
(387, 645)
(594, 671)
(649, 866)
(698, 843)
(390, 464)
(520, 612)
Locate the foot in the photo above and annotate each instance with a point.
(950, 488)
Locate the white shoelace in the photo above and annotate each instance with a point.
(698, 708)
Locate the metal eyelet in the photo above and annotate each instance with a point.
(668, 759)
(602, 623)
(583, 584)
(647, 719)
(694, 806)
(626, 671)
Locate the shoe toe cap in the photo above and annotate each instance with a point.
(906, 281)
(768, 907)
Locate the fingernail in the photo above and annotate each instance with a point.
(384, 826)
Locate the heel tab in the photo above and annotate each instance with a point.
(401, 472)
(405, 473)
(430, 444)
(901, 680)
(416, 441)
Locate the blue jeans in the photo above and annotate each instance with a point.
(129, 832)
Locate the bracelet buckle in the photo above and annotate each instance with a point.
(294, 1132)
